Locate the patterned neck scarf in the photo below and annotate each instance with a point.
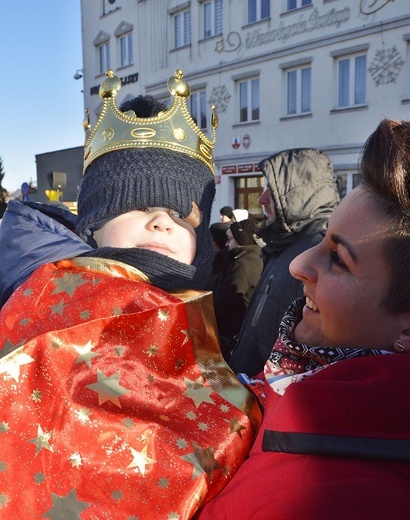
(290, 361)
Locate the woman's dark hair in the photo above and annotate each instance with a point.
(385, 167)
(228, 212)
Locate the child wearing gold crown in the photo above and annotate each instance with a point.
(115, 400)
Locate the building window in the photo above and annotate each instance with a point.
(247, 192)
(351, 81)
(198, 109)
(296, 4)
(104, 57)
(182, 28)
(258, 10)
(249, 104)
(212, 18)
(346, 182)
(298, 91)
(126, 50)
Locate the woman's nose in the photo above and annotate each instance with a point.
(303, 266)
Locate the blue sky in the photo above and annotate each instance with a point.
(41, 104)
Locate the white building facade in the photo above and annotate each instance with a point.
(281, 73)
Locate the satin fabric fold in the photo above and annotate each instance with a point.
(115, 401)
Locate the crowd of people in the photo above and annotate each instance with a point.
(157, 365)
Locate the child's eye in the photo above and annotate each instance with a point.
(336, 260)
(175, 214)
(143, 209)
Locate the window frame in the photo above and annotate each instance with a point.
(298, 92)
(198, 106)
(293, 5)
(258, 10)
(104, 57)
(126, 49)
(212, 18)
(351, 80)
(246, 88)
(184, 16)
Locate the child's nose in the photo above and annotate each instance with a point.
(161, 221)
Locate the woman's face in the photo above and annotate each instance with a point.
(158, 229)
(231, 243)
(345, 279)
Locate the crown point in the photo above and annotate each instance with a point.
(87, 122)
(177, 86)
(110, 86)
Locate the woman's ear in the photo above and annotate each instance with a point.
(402, 345)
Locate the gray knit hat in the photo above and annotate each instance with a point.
(126, 180)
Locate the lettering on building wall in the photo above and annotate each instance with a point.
(313, 23)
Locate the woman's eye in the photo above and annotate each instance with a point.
(143, 209)
(175, 214)
(336, 260)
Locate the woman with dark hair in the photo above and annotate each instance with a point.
(226, 214)
(335, 438)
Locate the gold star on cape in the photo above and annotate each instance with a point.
(58, 308)
(36, 396)
(85, 354)
(185, 332)
(83, 415)
(140, 460)
(8, 347)
(75, 460)
(236, 427)
(66, 507)
(12, 362)
(4, 427)
(108, 388)
(198, 392)
(68, 283)
(163, 314)
(203, 461)
(41, 441)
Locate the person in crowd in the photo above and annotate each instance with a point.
(233, 287)
(226, 214)
(221, 253)
(115, 400)
(218, 235)
(335, 438)
(300, 196)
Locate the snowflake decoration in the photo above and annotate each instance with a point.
(386, 66)
(220, 98)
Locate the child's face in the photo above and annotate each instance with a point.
(157, 229)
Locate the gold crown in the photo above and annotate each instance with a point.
(173, 129)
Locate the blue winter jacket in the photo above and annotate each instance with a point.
(31, 235)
